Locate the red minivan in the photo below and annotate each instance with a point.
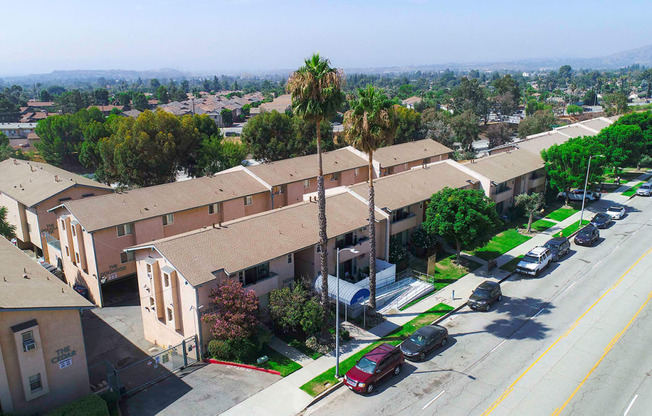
(381, 361)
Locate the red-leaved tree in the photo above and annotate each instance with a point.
(236, 311)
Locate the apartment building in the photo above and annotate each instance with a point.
(95, 231)
(290, 179)
(42, 355)
(405, 156)
(29, 189)
(265, 252)
(404, 197)
(506, 175)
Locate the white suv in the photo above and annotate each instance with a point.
(533, 262)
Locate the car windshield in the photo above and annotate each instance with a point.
(530, 259)
(553, 244)
(483, 293)
(645, 186)
(600, 217)
(366, 365)
(614, 209)
(418, 339)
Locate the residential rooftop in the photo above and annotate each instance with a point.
(413, 186)
(541, 141)
(280, 104)
(505, 166)
(305, 167)
(110, 210)
(575, 130)
(597, 124)
(25, 284)
(31, 183)
(409, 152)
(243, 243)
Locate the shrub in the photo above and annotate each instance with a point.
(219, 349)
(422, 239)
(646, 161)
(90, 405)
(397, 253)
(311, 319)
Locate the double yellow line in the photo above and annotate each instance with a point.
(509, 389)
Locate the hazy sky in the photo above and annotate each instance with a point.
(254, 35)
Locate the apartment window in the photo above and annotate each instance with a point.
(254, 274)
(357, 170)
(277, 190)
(249, 200)
(168, 219)
(77, 257)
(166, 279)
(63, 225)
(125, 229)
(335, 176)
(73, 231)
(213, 209)
(28, 341)
(87, 195)
(289, 258)
(149, 268)
(128, 256)
(67, 251)
(502, 187)
(306, 183)
(151, 301)
(170, 316)
(400, 214)
(35, 382)
(64, 199)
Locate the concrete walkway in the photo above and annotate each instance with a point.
(292, 353)
(268, 402)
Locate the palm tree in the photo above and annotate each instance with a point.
(368, 125)
(316, 91)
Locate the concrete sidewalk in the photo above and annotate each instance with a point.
(294, 400)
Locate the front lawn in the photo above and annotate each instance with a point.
(539, 225)
(566, 232)
(631, 191)
(561, 214)
(510, 266)
(327, 378)
(278, 362)
(501, 244)
(445, 271)
(298, 344)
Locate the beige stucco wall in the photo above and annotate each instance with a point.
(57, 329)
(16, 216)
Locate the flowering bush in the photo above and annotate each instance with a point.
(236, 315)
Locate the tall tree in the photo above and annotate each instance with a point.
(466, 129)
(7, 230)
(463, 217)
(469, 95)
(408, 124)
(368, 125)
(531, 204)
(316, 91)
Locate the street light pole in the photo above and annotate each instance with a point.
(585, 184)
(337, 309)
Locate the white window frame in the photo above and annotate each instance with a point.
(37, 379)
(214, 209)
(248, 200)
(168, 219)
(128, 255)
(166, 280)
(170, 314)
(127, 229)
(306, 183)
(356, 171)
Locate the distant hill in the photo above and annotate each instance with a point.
(82, 75)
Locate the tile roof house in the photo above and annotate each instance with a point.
(29, 189)
(410, 102)
(42, 354)
(282, 103)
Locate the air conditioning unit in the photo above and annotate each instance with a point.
(29, 345)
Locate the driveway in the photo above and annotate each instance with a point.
(205, 389)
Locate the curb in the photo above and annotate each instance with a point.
(250, 367)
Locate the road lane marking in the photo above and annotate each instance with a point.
(498, 346)
(596, 264)
(630, 405)
(430, 402)
(608, 348)
(537, 314)
(566, 290)
(509, 389)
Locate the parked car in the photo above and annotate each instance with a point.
(616, 211)
(424, 340)
(587, 236)
(558, 246)
(577, 195)
(484, 295)
(534, 261)
(644, 190)
(382, 361)
(602, 220)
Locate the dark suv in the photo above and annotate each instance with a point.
(587, 236)
(484, 295)
(375, 365)
(558, 246)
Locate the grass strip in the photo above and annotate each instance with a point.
(501, 244)
(278, 362)
(327, 378)
(510, 266)
(631, 191)
(540, 225)
(566, 232)
(561, 214)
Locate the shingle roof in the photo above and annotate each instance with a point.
(575, 130)
(32, 182)
(306, 167)
(597, 123)
(505, 166)
(409, 152)
(280, 104)
(40, 289)
(106, 211)
(542, 141)
(413, 186)
(247, 242)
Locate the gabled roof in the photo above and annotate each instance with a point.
(305, 167)
(106, 211)
(41, 289)
(542, 141)
(575, 130)
(32, 182)
(253, 240)
(505, 166)
(597, 124)
(280, 104)
(409, 152)
(414, 186)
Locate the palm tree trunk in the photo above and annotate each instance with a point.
(323, 237)
(372, 236)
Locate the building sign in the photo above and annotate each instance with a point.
(112, 273)
(64, 357)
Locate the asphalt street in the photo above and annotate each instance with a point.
(573, 341)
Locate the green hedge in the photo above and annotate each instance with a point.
(91, 405)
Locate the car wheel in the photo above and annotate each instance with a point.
(536, 273)
(444, 341)
(397, 370)
(486, 308)
(370, 388)
(422, 357)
